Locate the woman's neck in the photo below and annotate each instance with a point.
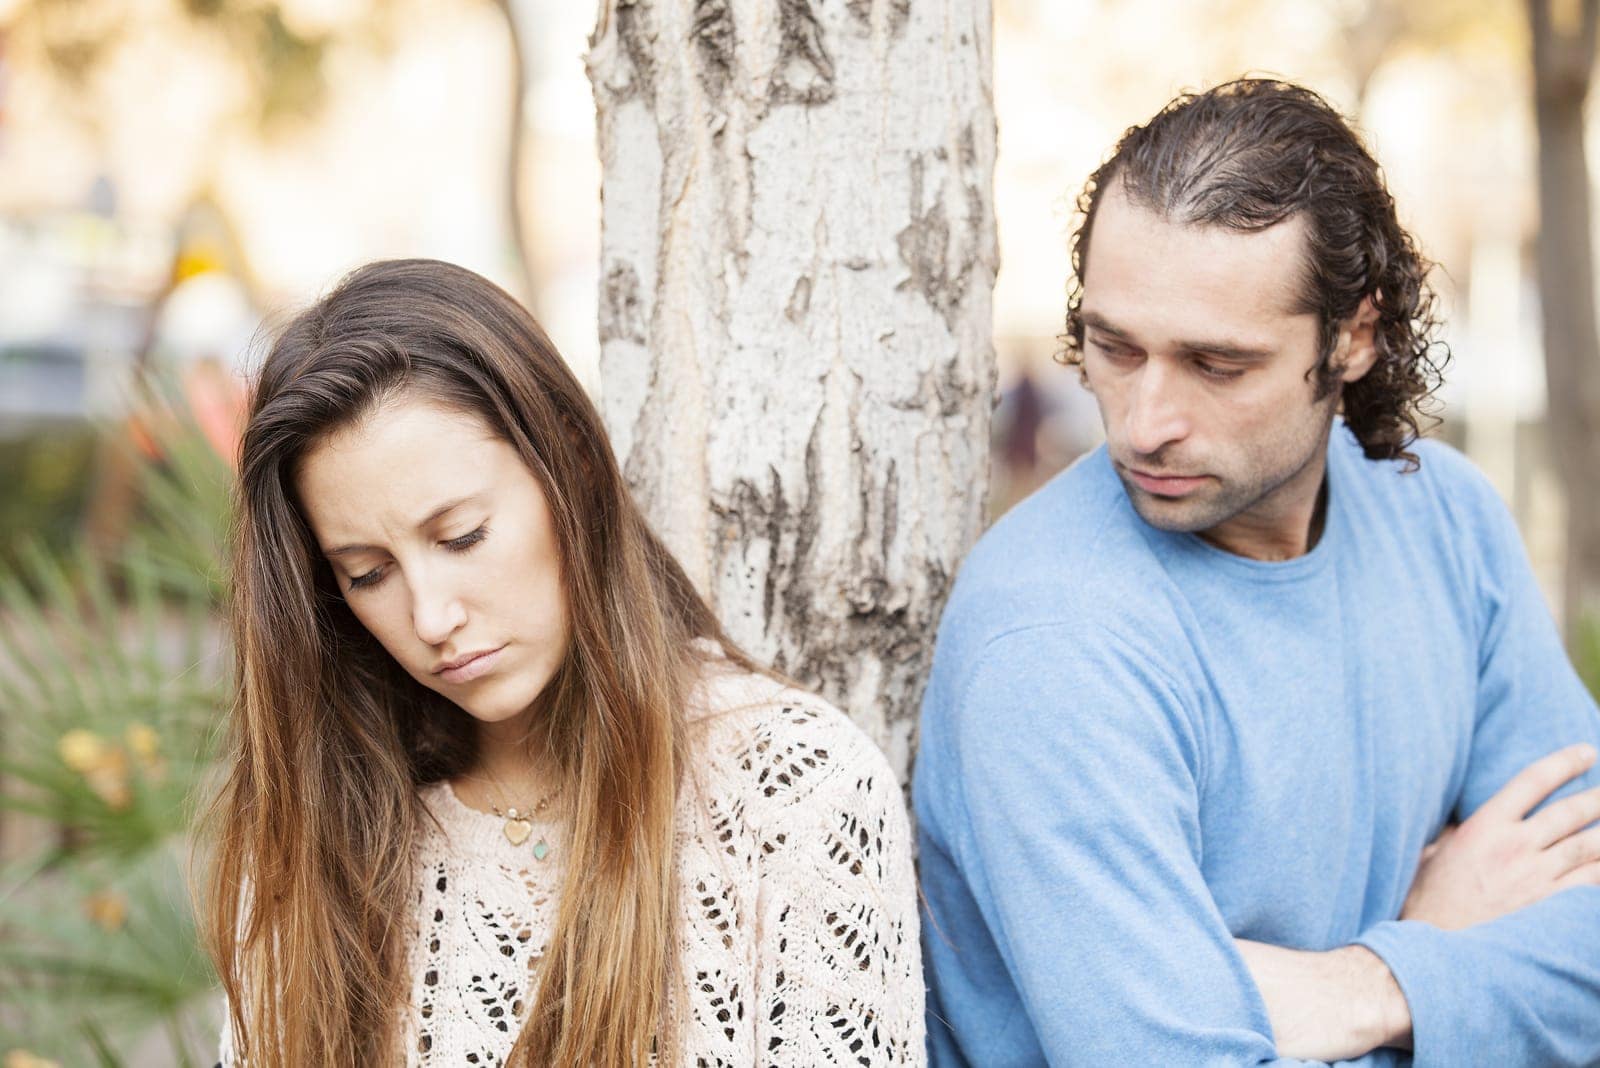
(507, 765)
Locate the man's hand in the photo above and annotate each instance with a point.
(1330, 1006)
(1345, 1003)
(1502, 859)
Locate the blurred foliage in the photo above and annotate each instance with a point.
(1586, 654)
(46, 476)
(285, 66)
(113, 676)
(284, 60)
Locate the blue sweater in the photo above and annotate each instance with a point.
(1136, 747)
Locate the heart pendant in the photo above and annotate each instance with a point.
(517, 831)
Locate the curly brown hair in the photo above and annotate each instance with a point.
(1247, 155)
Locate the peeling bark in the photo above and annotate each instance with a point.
(796, 350)
(621, 315)
(799, 300)
(804, 71)
(633, 34)
(898, 13)
(713, 37)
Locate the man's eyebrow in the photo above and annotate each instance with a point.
(1228, 350)
(1231, 350)
(1099, 322)
(437, 513)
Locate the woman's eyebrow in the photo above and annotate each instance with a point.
(437, 513)
(457, 502)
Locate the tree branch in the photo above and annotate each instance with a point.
(1539, 26)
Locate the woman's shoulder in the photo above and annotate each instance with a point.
(776, 744)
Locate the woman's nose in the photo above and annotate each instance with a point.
(436, 611)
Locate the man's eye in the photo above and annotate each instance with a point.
(1215, 371)
(467, 541)
(1109, 350)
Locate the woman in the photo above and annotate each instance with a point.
(500, 790)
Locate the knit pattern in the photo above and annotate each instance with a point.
(797, 906)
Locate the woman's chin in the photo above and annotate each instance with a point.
(490, 715)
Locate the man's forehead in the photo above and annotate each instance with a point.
(1138, 250)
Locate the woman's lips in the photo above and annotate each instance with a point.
(1166, 485)
(472, 668)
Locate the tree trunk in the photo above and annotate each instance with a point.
(1563, 59)
(516, 220)
(798, 253)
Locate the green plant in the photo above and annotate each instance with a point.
(114, 673)
(1586, 654)
(46, 475)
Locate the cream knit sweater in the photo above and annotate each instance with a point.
(797, 906)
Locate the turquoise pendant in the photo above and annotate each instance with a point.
(540, 850)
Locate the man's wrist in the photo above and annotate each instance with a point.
(1385, 1015)
(1328, 1005)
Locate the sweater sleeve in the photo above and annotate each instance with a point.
(1058, 788)
(839, 974)
(1523, 990)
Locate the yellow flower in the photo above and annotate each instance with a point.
(82, 751)
(103, 766)
(21, 1058)
(107, 908)
(143, 742)
(109, 778)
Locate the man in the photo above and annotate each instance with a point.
(1240, 733)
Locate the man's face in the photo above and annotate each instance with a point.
(1200, 364)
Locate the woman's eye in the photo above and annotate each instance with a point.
(467, 541)
(361, 582)
(455, 545)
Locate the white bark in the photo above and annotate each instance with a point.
(798, 254)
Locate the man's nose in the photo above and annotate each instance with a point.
(1157, 411)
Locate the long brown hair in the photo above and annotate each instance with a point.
(306, 908)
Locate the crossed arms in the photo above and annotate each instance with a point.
(1106, 799)
(1344, 1003)
(1102, 918)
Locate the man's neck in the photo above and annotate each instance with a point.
(1290, 527)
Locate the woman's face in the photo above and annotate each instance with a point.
(441, 539)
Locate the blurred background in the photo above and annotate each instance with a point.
(175, 175)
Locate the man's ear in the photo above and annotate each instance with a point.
(1356, 350)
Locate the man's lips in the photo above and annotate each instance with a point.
(1165, 485)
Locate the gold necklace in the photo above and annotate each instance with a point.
(519, 822)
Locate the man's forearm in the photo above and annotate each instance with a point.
(1336, 1005)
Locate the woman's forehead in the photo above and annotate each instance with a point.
(396, 467)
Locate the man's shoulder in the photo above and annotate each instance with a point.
(1077, 529)
(1071, 566)
(1439, 467)
(1444, 491)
